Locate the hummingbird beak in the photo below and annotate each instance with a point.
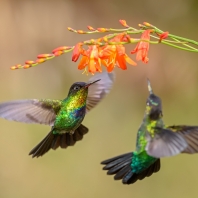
(88, 84)
(149, 86)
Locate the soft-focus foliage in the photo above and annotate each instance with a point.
(29, 28)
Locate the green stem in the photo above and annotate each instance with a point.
(179, 47)
(178, 38)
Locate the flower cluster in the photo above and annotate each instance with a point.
(108, 55)
(109, 50)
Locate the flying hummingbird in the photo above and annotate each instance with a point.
(64, 116)
(154, 140)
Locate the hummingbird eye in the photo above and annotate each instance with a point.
(76, 88)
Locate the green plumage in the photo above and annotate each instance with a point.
(154, 140)
(64, 116)
(70, 113)
(141, 160)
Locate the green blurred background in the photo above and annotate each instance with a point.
(29, 28)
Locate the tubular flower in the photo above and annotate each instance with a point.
(90, 58)
(77, 51)
(115, 54)
(142, 47)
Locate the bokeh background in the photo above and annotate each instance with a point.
(28, 28)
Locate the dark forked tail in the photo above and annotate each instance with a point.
(120, 166)
(53, 141)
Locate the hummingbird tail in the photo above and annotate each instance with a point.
(53, 141)
(120, 166)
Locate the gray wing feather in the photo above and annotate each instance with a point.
(190, 133)
(28, 111)
(165, 143)
(100, 89)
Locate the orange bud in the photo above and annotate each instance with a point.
(58, 53)
(123, 22)
(45, 55)
(13, 68)
(62, 48)
(102, 30)
(18, 66)
(40, 60)
(71, 29)
(30, 62)
(92, 41)
(26, 66)
(105, 39)
(140, 25)
(147, 24)
(81, 32)
(91, 28)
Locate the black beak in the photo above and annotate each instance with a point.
(149, 86)
(88, 84)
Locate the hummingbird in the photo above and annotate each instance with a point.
(154, 140)
(64, 116)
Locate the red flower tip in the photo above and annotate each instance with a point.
(77, 51)
(164, 35)
(123, 23)
(90, 28)
(126, 38)
(103, 30)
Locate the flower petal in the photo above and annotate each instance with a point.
(91, 66)
(129, 60)
(121, 62)
(83, 62)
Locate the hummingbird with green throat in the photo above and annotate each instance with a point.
(64, 116)
(154, 140)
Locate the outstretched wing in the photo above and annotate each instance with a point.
(165, 143)
(190, 133)
(98, 90)
(31, 111)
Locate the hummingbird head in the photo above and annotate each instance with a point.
(153, 104)
(80, 87)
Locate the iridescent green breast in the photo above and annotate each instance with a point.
(148, 126)
(71, 113)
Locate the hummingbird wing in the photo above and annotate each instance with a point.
(165, 143)
(31, 111)
(190, 133)
(98, 90)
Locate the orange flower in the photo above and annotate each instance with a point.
(90, 58)
(142, 47)
(113, 54)
(77, 51)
